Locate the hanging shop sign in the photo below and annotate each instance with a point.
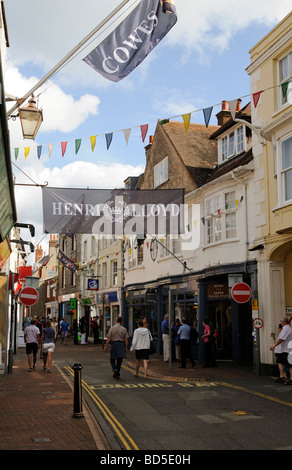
(110, 212)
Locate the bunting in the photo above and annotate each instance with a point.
(207, 112)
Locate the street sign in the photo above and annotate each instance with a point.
(241, 292)
(258, 323)
(28, 296)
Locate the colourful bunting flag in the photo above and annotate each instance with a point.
(26, 152)
(187, 120)
(16, 152)
(63, 147)
(50, 146)
(93, 142)
(207, 115)
(77, 145)
(284, 88)
(39, 151)
(233, 107)
(108, 138)
(144, 130)
(256, 97)
(127, 134)
(164, 121)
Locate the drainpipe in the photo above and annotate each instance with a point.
(246, 218)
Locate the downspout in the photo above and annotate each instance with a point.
(246, 218)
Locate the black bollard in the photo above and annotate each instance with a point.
(77, 410)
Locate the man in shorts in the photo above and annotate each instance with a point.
(32, 343)
(284, 357)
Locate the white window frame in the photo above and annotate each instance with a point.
(220, 218)
(232, 144)
(283, 101)
(114, 266)
(281, 173)
(160, 172)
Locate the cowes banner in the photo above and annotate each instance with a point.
(113, 211)
(133, 39)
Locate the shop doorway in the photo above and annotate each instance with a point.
(220, 320)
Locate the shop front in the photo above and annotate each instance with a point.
(232, 321)
(108, 310)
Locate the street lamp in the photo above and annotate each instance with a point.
(31, 118)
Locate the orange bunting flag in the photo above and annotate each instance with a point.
(187, 120)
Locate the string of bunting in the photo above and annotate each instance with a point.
(207, 113)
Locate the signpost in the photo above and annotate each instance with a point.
(241, 292)
(28, 296)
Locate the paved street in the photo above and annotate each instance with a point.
(173, 410)
(191, 409)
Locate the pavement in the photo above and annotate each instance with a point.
(38, 411)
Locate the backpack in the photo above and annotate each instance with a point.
(194, 335)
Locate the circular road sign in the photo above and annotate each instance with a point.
(241, 292)
(28, 296)
(258, 323)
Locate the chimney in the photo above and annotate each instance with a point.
(38, 253)
(151, 139)
(224, 115)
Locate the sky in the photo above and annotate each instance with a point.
(201, 61)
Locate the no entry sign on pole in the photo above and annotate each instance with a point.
(28, 296)
(241, 292)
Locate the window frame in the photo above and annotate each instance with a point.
(160, 178)
(281, 173)
(217, 221)
(284, 101)
(231, 144)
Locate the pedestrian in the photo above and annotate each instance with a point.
(141, 346)
(83, 328)
(165, 337)
(184, 333)
(64, 330)
(118, 336)
(207, 338)
(95, 329)
(32, 343)
(176, 338)
(145, 322)
(54, 324)
(284, 358)
(48, 340)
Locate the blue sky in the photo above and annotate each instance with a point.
(201, 62)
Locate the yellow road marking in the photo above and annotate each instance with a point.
(116, 425)
(258, 394)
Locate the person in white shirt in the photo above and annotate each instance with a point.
(32, 343)
(141, 346)
(284, 357)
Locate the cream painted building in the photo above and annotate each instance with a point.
(270, 73)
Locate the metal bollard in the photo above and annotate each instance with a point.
(77, 404)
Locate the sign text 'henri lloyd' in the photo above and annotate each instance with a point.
(241, 292)
(109, 212)
(28, 296)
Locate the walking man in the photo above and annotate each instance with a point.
(118, 336)
(32, 340)
(284, 358)
(165, 338)
(184, 333)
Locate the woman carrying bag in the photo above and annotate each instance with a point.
(141, 346)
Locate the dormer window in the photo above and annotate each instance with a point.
(232, 144)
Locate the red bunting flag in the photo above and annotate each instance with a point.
(144, 130)
(256, 97)
(63, 146)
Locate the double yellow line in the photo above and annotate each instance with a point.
(120, 431)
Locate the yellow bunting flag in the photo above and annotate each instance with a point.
(26, 151)
(187, 120)
(93, 142)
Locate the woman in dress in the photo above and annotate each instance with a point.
(48, 340)
(141, 346)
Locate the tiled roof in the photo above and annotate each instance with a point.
(194, 147)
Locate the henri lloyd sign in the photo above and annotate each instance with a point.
(113, 212)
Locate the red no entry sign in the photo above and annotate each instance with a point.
(28, 296)
(241, 292)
